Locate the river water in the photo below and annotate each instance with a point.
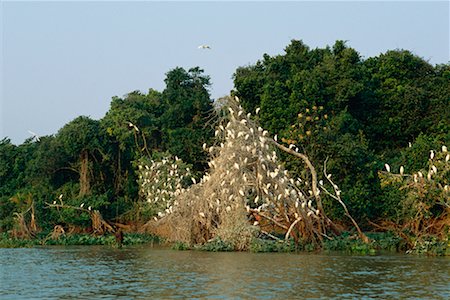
(146, 272)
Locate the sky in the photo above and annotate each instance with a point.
(61, 59)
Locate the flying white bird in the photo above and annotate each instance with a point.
(35, 136)
(204, 47)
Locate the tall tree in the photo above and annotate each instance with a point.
(82, 141)
(188, 112)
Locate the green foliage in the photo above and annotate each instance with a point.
(187, 111)
(431, 245)
(180, 246)
(366, 111)
(426, 192)
(264, 245)
(78, 239)
(216, 245)
(10, 242)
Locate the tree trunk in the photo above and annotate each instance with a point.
(85, 186)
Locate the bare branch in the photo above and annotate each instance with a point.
(337, 197)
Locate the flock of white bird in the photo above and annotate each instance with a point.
(244, 175)
(433, 170)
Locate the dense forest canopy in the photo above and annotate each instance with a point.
(357, 114)
(94, 162)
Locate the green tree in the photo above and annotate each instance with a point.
(188, 113)
(82, 142)
(401, 85)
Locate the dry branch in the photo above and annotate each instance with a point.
(337, 197)
(99, 225)
(245, 177)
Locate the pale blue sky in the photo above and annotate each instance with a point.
(60, 59)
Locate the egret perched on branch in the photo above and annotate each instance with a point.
(35, 136)
(204, 47)
(131, 125)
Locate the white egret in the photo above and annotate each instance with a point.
(131, 125)
(35, 136)
(204, 47)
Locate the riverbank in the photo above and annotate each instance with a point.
(346, 243)
(7, 241)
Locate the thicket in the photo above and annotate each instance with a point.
(334, 106)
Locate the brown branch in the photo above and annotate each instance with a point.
(68, 206)
(270, 219)
(311, 168)
(270, 235)
(290, 228)
(336, 196)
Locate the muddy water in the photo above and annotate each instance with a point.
(159, 273)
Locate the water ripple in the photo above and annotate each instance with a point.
(158, 273)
